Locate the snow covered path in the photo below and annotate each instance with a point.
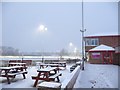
(98, 76)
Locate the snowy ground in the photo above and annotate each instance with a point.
(94, 76)
(98, 76)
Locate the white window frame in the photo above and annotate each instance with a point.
(92, 41)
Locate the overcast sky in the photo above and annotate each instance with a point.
(21, 20)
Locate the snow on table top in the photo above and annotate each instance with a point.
(47, 69)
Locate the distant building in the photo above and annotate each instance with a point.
(113, 41)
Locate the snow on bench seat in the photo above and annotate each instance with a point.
(61, 68)
(17, 73)
(10, 74)
(13, 74)
(55, 76)
(49, 85)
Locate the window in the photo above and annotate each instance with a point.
(92, 42)
(117, 49)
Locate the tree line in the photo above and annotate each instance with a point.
(10, 51)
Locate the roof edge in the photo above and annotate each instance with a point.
(102, 36)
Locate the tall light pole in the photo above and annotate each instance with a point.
(82, 31)
(83, 48)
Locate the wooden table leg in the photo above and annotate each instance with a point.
(47, 74)
(25, 67)
(58, 79)
(24, 76)
(6, 74)
(35, 84)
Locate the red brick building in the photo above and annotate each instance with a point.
(102, 54)
(109, 40)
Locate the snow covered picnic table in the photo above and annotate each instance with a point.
(46, 75)
(12, 71)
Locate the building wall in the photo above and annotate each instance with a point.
(112, 41)
(117, 56)
(109, 41)
(100, 60)
(95, 61)
(87, 48)
(116, 59)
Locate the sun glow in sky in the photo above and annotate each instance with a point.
(42, 28)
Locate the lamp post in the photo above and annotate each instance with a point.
(82, 31)
(83, 48)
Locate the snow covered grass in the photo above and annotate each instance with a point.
(98, 76)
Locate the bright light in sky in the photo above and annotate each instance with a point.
(45, 29)
(42, 28)
(70, 44)
(75, 49)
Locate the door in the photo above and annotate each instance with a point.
(107, 57)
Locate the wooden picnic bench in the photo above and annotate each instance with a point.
(28, 62)
(44, 74)
(11, 72)
(18, 64)
(15, 61)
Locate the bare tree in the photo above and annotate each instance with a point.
(7, 51)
